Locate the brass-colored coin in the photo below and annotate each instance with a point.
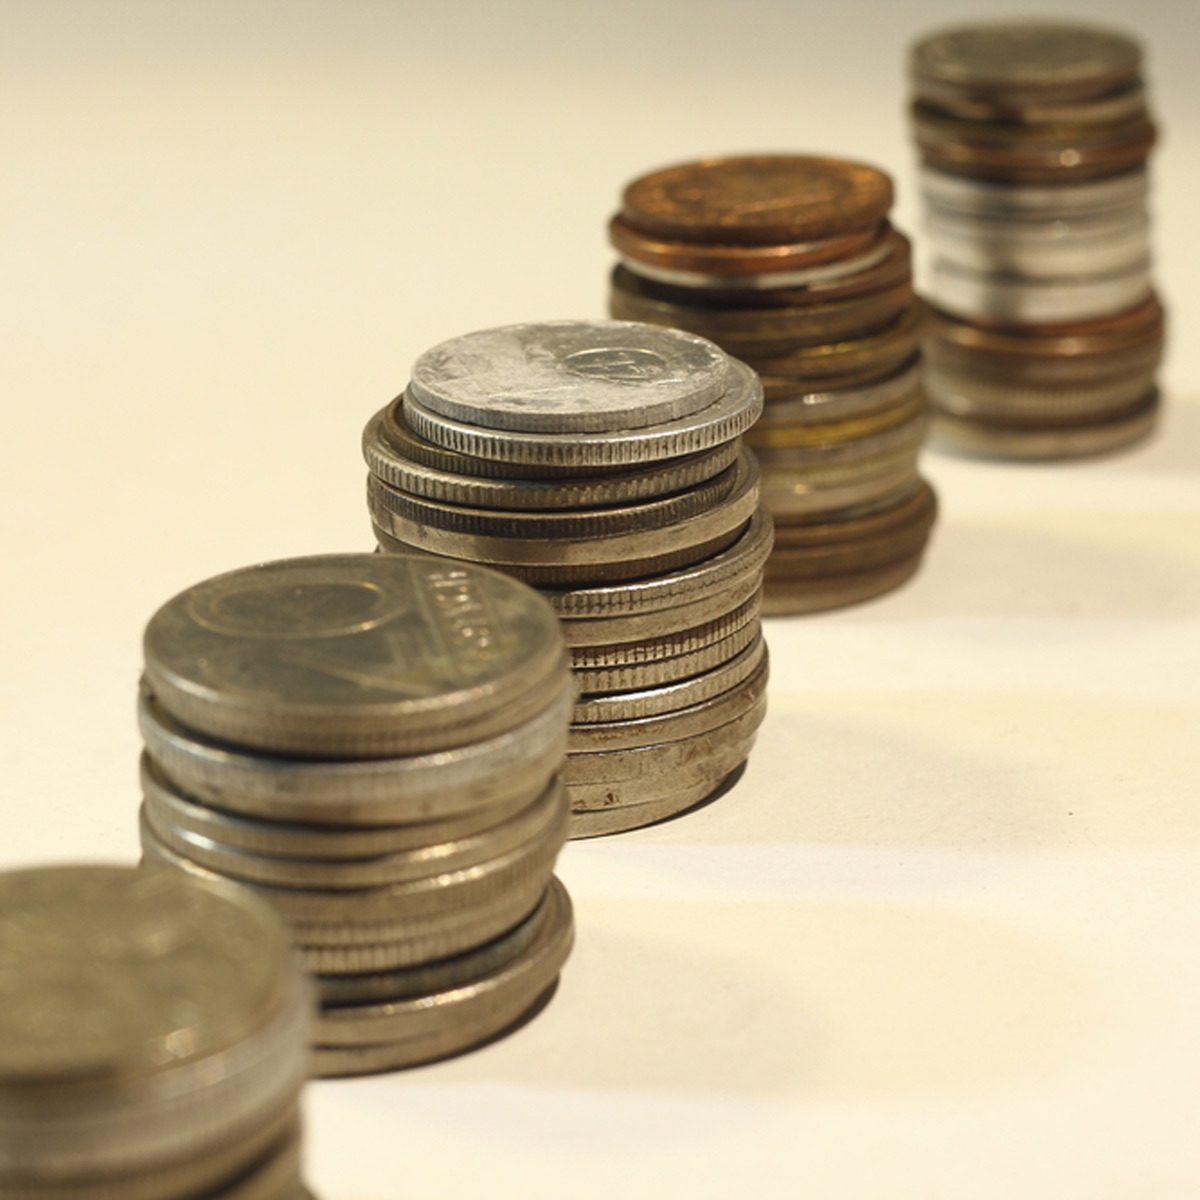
(881, 352)
(758, 199)
(395, 460)
(799, 455)
(788, 435)
(353, 655)
(1038, 57)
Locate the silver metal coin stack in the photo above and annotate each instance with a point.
(1046, 336)
(373, 744)
(601, 462)
(153, 1039)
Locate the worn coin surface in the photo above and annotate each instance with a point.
(353, 655)
(758, 198)
(1027, 56)
(570, 376)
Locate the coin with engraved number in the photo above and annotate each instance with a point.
(353, 655)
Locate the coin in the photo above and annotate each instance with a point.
(757, 199)
(789, 597)
(196, 1020)
(570, 377)
(810, 406)
(353, 655)
(967, 195)
(1043, 57)
(392, 465)
(726, 417)
(444, 785)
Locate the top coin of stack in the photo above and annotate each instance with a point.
(1034, 139)
(373, 744)
(601, 462)
(153, 1039)
(789, 262)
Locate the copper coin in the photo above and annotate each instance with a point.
(758, 199)
(1039, 57)
(735, 260)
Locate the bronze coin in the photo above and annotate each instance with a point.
(787, 596)
(758, 199)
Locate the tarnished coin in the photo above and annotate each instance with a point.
(353, 655)
(1039, 57)
(196, 1019)
(758, 198)
(730, 414)
(570, 377)
(784, 596)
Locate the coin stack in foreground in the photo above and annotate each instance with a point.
(1047, 337)
(153, 1039)
(601, 462)
(373, 743)
(789, 262)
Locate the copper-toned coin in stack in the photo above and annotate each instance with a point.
(602, 463)
(372, 743)
(1046, 336)
(789, 262)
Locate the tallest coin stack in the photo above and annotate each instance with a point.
(601, 463)
(1046, 335)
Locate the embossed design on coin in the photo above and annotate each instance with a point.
(570, 377)
(758, 198)
(350, 654)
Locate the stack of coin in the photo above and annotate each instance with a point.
(153, 1039)
(790, 263)
(373, 743)
(600, 462)
(1046, 338)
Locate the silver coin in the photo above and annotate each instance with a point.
(390, 791)
(392, 466)
(573, 525)
(695, 581)
(671, 697)
(1028, 109)
(639, 677)
(1041, 255)
(805, 493)
(437, 976)
(498, 995)
(405, 866)
(197, 1019)
(964, 195)
(608, 631)
(571, 376)
(1011, 298)
(907, 435)
(651, 649)
(290, 840)
(353, 655)
(394, 904)
(670, 727)
(615, 549)
(731, 414)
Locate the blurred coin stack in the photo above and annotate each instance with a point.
(1046, 336)
(601, 463)
(153, 1039)
(372, 743)
(789, 262)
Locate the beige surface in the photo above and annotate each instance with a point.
(941, 941)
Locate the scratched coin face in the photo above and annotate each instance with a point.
(571, 376)
(758, 199)
(107, 972)
(354, 655)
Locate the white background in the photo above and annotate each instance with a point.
(941, 940)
